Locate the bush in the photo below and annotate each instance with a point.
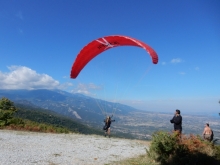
(7, 110)
(169, 148)
(163, 145)
(217, 151)
(17, 121)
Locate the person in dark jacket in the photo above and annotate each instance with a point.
(108, 122)
(177, 121)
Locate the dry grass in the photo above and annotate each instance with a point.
(196, 144)
(140, 160)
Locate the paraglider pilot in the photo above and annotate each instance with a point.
(108, 122)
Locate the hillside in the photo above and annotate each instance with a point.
(40, 115)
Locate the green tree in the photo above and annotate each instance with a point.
(7, 110)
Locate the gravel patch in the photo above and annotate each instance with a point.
(31, 148)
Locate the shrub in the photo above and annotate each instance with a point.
(163, 145)
(217, 152)
(7, 110)
(169, 148)
(17, 121)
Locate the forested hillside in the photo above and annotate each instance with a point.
(49, 117)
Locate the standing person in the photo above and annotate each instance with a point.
(108, 122)
(177, 121)
(208, 133)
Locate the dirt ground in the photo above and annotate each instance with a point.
(18, 147)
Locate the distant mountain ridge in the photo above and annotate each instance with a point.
(76, 106)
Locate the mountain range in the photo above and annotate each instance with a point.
(76, 106)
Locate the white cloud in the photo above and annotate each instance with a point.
(65, 85)
(86, 88)
(176, 60)
(21, 77)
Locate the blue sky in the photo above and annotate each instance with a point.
(39, 41)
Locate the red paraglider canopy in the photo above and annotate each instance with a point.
(100, 45)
